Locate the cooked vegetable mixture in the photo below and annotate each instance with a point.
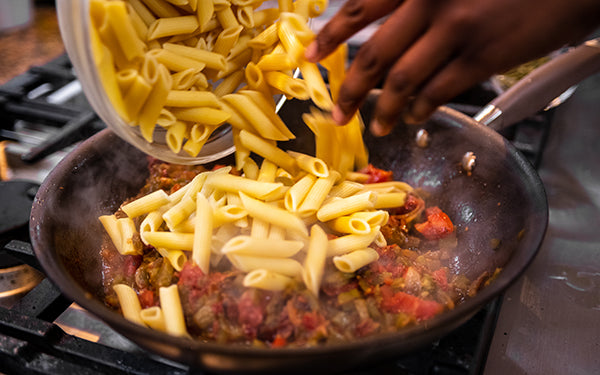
(408, 284)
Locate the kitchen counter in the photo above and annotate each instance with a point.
(34, 44)
(550, 319)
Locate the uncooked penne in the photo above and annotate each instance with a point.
(267, 280)
(345, 206)
(344, 244)
(176, 258)
(284, 266)
(163, 27)
(146, 204)
(298, 192)
(129, 302)
(268, 151)
(154, 318)
(262, 247)
(314, 262)
(170, 304)
(351, 262)
(229, 182)
(185, 98)
(202, 234)
(273, 215)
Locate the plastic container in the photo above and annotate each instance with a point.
(74, 22)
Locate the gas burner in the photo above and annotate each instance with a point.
(15, 207)
(16, 278)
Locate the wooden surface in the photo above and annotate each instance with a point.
(30, 45)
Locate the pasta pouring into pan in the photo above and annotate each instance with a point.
(281, 248)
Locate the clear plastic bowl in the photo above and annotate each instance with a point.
(74, 21)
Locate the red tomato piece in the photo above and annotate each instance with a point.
(376, 174)
(132, 262)
(190, 274)
(278, 342)
(438, 224)
(401, 302)
(146, 297)
(441, 278)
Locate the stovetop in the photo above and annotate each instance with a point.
(547, 323)
(44, 332)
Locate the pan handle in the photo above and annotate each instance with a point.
(541, 86)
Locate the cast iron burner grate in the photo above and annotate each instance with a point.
(50, 96)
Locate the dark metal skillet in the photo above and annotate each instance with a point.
(502, 201)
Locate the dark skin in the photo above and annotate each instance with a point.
(434, 50)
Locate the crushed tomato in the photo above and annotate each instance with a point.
(401, 302)
(376, 174)
(438, 224)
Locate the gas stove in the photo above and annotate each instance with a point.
(44, 115)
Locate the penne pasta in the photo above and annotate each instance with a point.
(173, 314)
(210, 59)
(256, 189)
(185, 98)
(146, 204)
(273, 215)
(345, 206)
(311, 164)
(170, 240)
(268, 280)
(317, 194)
(176, 258)
(284, 266)
(128, 232)
(129, 302)
(203, 115)
(267, 151)
(262, 247)
(351, 262)
(154, 318)
(315, 259)
(298, 192)
(175, 135)
(255, 116)
(171, 26)
(202, 234)
(317, 89)
(349, 224)
(154, 104)
(344, 244)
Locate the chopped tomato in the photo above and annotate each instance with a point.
(311, 320)
(278, 342)
(438, 224)
(132, 262)
(218, 166)
(441, 277)
(401, 302)
(190, 274)
(146, 297)
(249, 312)
(376, 174)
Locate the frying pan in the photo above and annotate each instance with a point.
(501, 201)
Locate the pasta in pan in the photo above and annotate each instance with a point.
(293, 249)
(254, 252)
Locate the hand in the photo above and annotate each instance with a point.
(433, 50)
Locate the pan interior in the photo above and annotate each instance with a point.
(499, 210)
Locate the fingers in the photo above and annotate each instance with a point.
(353, 16)
(456, 77)
(375, 57)
(420, 62)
